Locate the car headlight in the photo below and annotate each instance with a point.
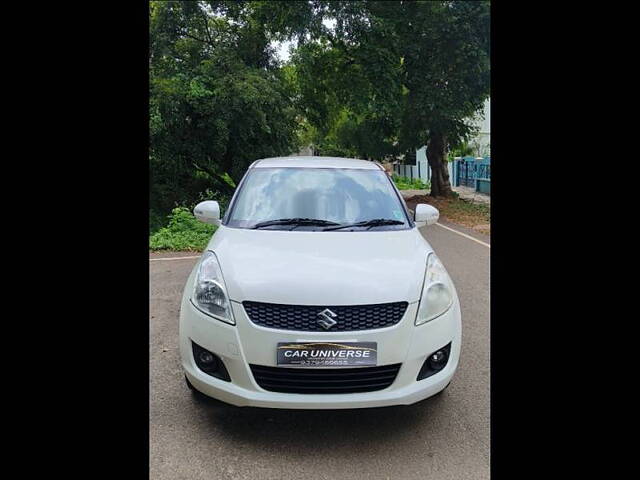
(437, 292)
(209, 292)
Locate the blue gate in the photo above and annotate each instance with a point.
(468, 169)
(466, 172)
(484, 170)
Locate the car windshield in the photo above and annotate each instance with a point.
(329, 196)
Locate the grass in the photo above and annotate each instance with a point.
(405, 183)
(183, 233)
(473, 215)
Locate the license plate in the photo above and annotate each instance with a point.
(328, 354)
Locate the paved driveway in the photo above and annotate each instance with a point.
(446, 437)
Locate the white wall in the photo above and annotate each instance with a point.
(424, 172)
(485, 124)
(482, 141)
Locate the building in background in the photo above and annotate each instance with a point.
(481, 143)
(471, 171)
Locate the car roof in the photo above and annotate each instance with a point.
(315, 162)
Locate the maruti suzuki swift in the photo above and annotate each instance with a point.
(317, 291)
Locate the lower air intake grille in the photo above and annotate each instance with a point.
(325, 380)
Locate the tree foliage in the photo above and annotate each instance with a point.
(408, 74)
(350, 88)
(218, 98)
(368, 79)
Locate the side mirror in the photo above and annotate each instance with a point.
(208, 212)
(426, 215)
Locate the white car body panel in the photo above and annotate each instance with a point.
(322, 269)
(246, 343)
(315, 162)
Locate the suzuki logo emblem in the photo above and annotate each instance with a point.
(327, 321)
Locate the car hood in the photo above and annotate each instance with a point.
(321, 268)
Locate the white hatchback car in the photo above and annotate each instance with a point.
(317, 291)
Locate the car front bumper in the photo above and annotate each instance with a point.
(245, 343)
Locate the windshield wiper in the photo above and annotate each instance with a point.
(368, 223)
(294, 221)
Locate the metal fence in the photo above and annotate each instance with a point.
(469, 169)
(420, 170)
(462, 170)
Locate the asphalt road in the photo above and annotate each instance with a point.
(445, 437)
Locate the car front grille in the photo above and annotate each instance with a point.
(325, 380)
(305, 318)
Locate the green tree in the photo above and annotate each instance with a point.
(349, 90)
(409, 73)
(389, 78)
(218, 101)
(447, 74)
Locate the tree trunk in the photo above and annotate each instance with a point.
(220, 182)
(436, 156)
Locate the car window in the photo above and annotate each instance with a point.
(331, 194)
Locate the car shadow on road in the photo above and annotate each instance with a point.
(315, 432)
